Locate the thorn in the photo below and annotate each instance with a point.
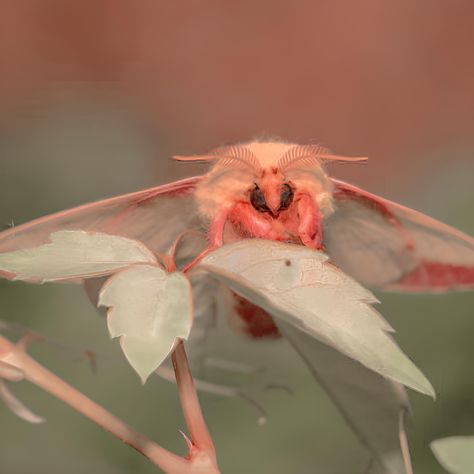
(189, 443)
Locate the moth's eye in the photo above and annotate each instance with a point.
(286, 196)
(257, 199)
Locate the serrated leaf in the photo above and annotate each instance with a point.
(455, 454)
(149, 309)
(74, 254)
(300, 286)
(370, 404)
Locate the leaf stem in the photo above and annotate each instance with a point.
(34, 372)
(404, 442)
(190, 403)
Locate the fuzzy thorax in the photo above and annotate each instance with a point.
(242, 167)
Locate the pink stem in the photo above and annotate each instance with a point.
(404, 442)
(190, 403)
(37, 374)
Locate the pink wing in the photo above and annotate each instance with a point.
(154, 216)
(383, 244)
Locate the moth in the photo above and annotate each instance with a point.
(282, 192)
(279, 191)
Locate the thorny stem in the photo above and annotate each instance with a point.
(190, 403)
(201, 461)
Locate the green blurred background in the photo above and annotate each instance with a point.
(94, 99)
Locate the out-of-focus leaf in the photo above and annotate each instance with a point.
(149, 309)
(10, 372)
(210, 300)
(455, 454)
(16, 406)
(74, 254)
(301, 287)
(371, 404)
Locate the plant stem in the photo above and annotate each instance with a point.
(190, 403)
(404, 442)
(169, 462)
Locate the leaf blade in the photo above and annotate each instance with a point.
(455, 454)
(149, 309)
(74, 254)
(300, 286)
(369, 403)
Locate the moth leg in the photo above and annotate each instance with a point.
(216, 229)
(251, 221)
(310, 226)
(245, 216)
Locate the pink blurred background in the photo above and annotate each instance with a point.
(97, 95)
(392, 80)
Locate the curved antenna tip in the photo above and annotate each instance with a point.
(195, 158)
(344, 159)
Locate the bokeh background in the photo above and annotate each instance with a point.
(95, 96)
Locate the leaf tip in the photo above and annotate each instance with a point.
(425, 387)
(143, 377)
(429, 389)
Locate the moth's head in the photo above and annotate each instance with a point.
(267, 174)
(272, 190)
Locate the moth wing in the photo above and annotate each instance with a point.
(154, 216)
(386, 245)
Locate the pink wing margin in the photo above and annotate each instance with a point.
(386, 245)
(154, 216)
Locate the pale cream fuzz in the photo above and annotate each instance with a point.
(224, 185)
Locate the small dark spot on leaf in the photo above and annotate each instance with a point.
(288, 262)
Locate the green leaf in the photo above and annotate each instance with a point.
(373, 406)
(455, 454)
(149, 309)
(74, 254)
(301, 287)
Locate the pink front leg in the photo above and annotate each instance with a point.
(243, 215)
(252, 222)
(310, 226)
(216, 229)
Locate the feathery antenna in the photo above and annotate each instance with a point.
(310, 155)
(226, 156)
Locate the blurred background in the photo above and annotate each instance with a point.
(95, 96)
